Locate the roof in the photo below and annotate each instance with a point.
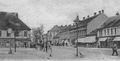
(62, 31)
(8, 20)
(111, 22)
(94, 32)
(84, 22)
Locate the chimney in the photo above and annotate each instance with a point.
(99, 12)
(83, 18)
(65, 25)
(16, 14)
(88, 16)
(102, 11)
(94, 13)
(117, 13)
(61, 25)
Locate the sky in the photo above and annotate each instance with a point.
(57, 12)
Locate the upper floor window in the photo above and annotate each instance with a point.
(25, 33)
(108, 31)
(17, 33)
(100, 32)
(0, 33)
(105, 32)
(111, 31)
(8, 34)
(115, 31)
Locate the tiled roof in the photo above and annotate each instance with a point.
(8, 20)
(112, 22)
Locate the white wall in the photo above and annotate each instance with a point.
(21, 34)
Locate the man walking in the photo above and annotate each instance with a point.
(114, 48)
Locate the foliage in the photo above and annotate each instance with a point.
(37, 33)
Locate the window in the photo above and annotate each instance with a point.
(108, 31)
(25, 33)
(17, 33)
(100, 32)
(115, 31)
(105, 32)
(0, 33)
(111, 31)
(8, 34)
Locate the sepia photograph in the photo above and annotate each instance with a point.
(59, 30)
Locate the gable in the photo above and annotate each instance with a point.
(8, 20)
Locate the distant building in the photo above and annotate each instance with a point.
(109, 32)
(63, 36)
(53, 32)
(20, 31)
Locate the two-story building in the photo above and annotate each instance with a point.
(53, 32)
(109, 32)
(87, 29)
(63, 36)
(19, 34)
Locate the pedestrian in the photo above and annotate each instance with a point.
(114, 48)
(50, 49)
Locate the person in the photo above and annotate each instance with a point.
(114, 48)
(50, 49)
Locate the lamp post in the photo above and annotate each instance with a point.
(15, 34)
(10, 31)
(76, 22)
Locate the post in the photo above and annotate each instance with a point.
(15, 44)
(10, 31)
(77, 40)
(77, 22)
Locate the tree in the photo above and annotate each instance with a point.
(37, 34)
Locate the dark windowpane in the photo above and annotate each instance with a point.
(25, 33)
(0, 33)
(111, 31)
(108, 31)
(115, 30)
(8, 34)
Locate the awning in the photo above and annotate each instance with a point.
(81, 39)
(102, 39)
(116, 39)
(90, 39)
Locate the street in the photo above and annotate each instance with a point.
(59, 53)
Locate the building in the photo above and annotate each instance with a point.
(53, 32)
(87, 29)
(109, 32)
(19, 31)
(62, 38)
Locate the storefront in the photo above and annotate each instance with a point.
(117, 41)
(103, 42)
(87, 41)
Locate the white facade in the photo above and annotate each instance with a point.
(109, 32)
(3, 34)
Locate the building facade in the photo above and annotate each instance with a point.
(109, 32)
(19, 34)
(87, 29)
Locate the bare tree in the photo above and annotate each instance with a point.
(37, 34)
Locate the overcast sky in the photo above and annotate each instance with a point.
(57, 12)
